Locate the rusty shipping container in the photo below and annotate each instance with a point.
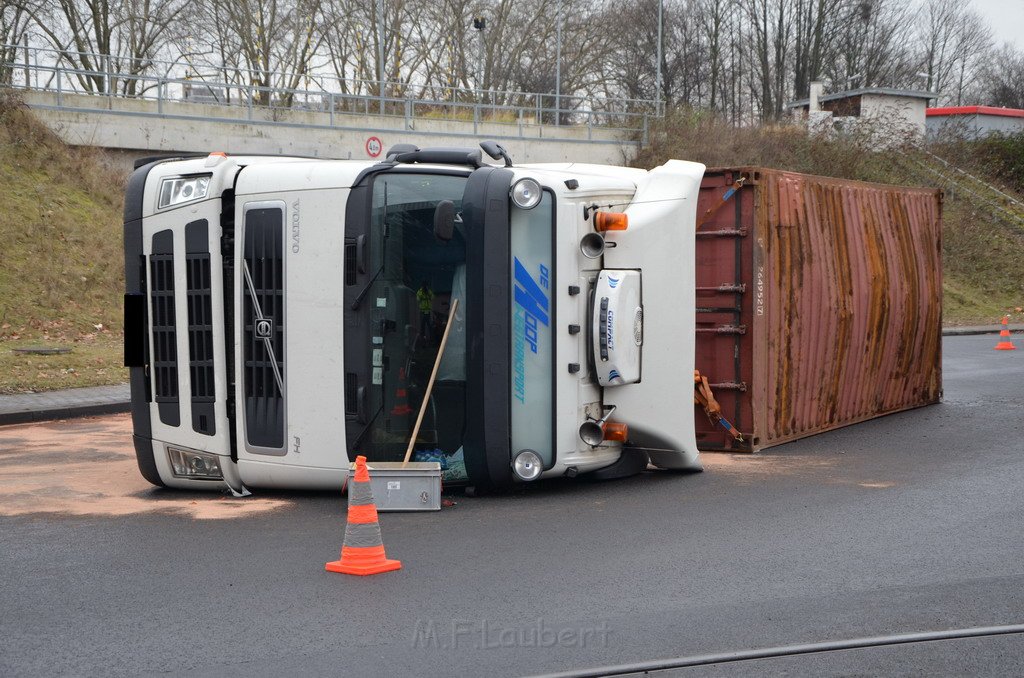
(819, 303)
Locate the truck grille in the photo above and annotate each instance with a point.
(165, 352)
(200, 326)
(263, 329)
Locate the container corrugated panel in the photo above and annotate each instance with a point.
(819, 303)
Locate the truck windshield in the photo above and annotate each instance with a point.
(415, 278)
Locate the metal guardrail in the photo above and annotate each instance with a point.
(182, 83)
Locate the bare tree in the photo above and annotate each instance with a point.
(266, 44)
(817, 25)
(449, 50)
(713, 18)
(416, 43)
(13, 26)
(952, 40)
(771, 30)
(98, 38)
(81, 31)
(350, 42)
(144, 28)
(630, 69)
(1002, 80)
(873, 49)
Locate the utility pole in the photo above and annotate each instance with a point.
(380, 53)
(558, 63)
(657, 83)
(480, 24)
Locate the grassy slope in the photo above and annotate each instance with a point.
(61, 264)
(983, 256)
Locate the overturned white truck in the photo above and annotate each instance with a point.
(284, 314)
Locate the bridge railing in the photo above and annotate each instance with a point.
(165, 82)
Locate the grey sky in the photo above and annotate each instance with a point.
(1006, 17)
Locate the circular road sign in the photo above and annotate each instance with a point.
(374, 146)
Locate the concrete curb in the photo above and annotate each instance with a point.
(27, 408)
(68, 412)
(966, 331)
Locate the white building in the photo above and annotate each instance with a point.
(895, 115)
(974, 121)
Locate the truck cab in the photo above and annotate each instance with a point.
(284, 314)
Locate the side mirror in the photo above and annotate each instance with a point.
(496, 151)
(444, 220)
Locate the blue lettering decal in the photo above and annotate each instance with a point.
(533, 303)
(519, 359)
(526, 285)
(529, 304)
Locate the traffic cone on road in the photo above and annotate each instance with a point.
(1004, 336)
(363, 550)
(401, 408)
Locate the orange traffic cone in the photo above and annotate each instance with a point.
(363, 550)
(401, 408)
(1004, 335)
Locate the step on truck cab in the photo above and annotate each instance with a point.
(284, 314)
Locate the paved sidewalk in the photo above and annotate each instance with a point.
(76, 402)
(84, 402)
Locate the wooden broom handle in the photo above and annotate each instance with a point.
(430, 384)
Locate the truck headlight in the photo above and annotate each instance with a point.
(526, 193)
(527, 465)
(178, 190)
(195, 465)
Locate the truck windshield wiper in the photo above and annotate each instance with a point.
(366, 288)
(359, 438)
(383, 257)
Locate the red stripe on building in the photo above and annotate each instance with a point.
(976, 110)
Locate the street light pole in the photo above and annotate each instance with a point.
(657, 86)
(480, 24)
(558, 62)
(380, 53)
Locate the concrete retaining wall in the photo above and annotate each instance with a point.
(176, 127)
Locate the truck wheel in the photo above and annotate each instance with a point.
(631, 462)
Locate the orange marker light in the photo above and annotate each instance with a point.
(616, 431)
(611, 221)
(214, 158)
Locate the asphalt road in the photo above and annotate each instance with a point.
(914, 522)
